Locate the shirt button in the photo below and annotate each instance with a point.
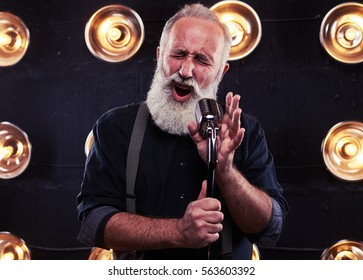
(182, 164)
(182, 195)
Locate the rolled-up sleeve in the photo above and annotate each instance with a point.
(273, 231)
(92, 228)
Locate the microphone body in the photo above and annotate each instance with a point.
(208, 117)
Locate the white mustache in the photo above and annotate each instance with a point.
(189, 82)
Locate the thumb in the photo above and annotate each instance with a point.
(203, 191)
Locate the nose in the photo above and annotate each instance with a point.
(186, 68)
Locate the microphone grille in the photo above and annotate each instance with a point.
(208, 106)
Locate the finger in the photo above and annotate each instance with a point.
(192, 128)
(235, 122)
(214, 217)
(215, 228)
(228, 101)
(213, 238)
(193, 132)
(234, 105)
(210, 232)
(235, 101)
(203, 191)
(237, 140)
(208, 238)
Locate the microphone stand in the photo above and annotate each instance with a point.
(212, 161)
(207, 114)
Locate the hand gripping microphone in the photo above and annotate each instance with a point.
(208, 118)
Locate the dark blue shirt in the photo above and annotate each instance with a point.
(169, 177)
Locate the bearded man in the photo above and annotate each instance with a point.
(173, 218)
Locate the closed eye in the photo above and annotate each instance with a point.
(179, 54)
(203, 59)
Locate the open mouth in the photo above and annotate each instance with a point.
(181, 93)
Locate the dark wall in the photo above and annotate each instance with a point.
(59, 89)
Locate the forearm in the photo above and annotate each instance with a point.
(250, 207)
(199, 226)
(125, 231)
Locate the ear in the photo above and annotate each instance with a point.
(157, 52)
(226, 67)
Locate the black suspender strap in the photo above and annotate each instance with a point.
(226, 237)
(133, 155)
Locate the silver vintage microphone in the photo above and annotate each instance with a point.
(208, 117)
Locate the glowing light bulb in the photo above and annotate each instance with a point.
(6, 152)
(5, 39)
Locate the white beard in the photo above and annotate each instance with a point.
(170, 115)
